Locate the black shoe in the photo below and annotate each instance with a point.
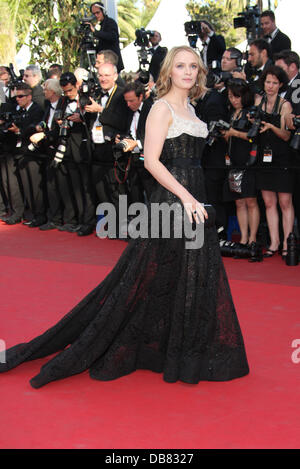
(13, 220)
(36, 222)
(70, 228)
(85, 230)
(48, 226)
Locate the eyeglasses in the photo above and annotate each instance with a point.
(21, 95)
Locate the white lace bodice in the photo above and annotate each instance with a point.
(180, 125)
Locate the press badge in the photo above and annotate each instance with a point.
(97, 133)
(268, 154)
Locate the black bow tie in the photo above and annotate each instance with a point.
(268, 36)
(152, 50)
(72, 101)
(204, 44)
(104, 93)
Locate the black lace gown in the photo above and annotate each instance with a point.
(163, 307)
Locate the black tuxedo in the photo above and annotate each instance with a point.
(253, 76)
(280, 42)
(140, 180)
(156, 61)
(215, 49)
(108, 38)
(105, 171)
(15, 171)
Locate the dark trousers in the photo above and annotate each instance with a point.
(12, 185)
(32, 172)
(3, 199)
(140, 181)
(75, 193)
(214, 183)
(55, 210)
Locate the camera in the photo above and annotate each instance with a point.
(295, 141)
(258, 115)
(9, 118)
(249, 19)
(214, 130)
(90, 88)
(88, 43)
(252, 252)
(33, 146)
(142, 41)
(65, 126)
(142, 37)
(193, 30)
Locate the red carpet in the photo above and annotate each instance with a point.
(44, 274)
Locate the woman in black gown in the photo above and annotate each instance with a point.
(163, 307)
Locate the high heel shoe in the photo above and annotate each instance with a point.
(284, 253)
(269, 253)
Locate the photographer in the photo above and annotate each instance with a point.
(16, 178)
(289, 62)
(213, 44)
(240, 186)
(107, 118)
(259, 59)
(33, 77)
(73, 158)
(210, 108)
(158, 54)
(45, 142)
(140, 180)
(231, 64)
(274, 176)
(278, 41)
(106, 31)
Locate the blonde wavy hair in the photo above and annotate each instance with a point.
(164, 83)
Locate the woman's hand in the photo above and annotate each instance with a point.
(266, 126)
(194, 209)
(229, 133)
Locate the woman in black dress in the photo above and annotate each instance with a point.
(274, 176)
(239, 147)
(163, 307)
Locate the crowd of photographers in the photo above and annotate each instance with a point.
(75, 140)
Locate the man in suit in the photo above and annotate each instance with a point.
(45, 142)
(213, 44)
(158, 54)
(140, 180)
(108, 118)
(33, 77)
(74, 176)
(259, 58)
(278, 40)
(289, 61)
(15, 175)
(106, 31)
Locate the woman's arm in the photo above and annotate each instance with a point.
(280, 132)
(157, 125)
